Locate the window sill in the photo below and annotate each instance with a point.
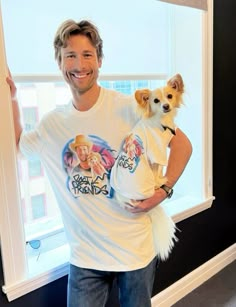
(187, 206)
(41, 274)
(179, 209)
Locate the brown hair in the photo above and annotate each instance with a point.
(69, 28)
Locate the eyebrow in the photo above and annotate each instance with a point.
(83, 52)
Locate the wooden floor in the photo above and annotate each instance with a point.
(218, 291)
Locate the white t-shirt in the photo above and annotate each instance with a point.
(146, 145)
(100, 233)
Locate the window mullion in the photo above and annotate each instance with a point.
(11, 230)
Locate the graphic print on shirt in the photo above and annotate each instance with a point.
(131, 151)
(87, 161)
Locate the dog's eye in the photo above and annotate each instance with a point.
(169, 96)
(156, 100)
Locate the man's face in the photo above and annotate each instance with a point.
(82, 152)
(79, 63)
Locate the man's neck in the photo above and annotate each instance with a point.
(85, 101)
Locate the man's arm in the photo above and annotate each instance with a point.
(180, 153)
(15, 109)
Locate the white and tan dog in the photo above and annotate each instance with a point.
(139, 167)
(160, 105)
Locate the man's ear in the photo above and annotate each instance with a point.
(100, 63)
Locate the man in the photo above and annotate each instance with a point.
(106, 241)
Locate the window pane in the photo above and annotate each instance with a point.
(35, 168)
(38, 206)
(41, 213)
(137, 41)
(29, 117)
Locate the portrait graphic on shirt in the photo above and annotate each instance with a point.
(87, 161)
(141, 152)
(132, 149)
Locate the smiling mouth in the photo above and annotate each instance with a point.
(79, 75)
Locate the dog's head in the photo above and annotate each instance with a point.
(93, 158)
(162, 100)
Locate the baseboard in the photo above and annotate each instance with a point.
(191, 281)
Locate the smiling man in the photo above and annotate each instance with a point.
(106, 241)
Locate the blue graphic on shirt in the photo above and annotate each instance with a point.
(132, 149)
(88, 160)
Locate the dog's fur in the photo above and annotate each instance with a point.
(159, 108)
(161, 104)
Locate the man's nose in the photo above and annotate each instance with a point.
(80, 61)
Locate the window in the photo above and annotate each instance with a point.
(38, 207)
(29, 117)
(169, 39)
(35, 168)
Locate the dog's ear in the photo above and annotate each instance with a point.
(142, 97)
(143, 102)
(177, 83)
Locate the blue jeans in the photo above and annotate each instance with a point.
(91, 288)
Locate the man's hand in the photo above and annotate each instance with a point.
(147, 204)
(12, 85)
(15, 108)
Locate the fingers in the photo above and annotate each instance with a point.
(12, 85)
(9, 80)
(135, 206)
(140, 206)
(135, 210)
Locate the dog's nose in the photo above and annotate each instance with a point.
(166, 107)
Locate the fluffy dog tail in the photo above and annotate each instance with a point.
(164, 230)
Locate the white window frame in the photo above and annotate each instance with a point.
(17, 282)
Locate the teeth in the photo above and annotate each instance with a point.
(79, 76)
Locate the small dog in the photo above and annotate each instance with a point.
(160, 105)
(95, 163)
(138, 170)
